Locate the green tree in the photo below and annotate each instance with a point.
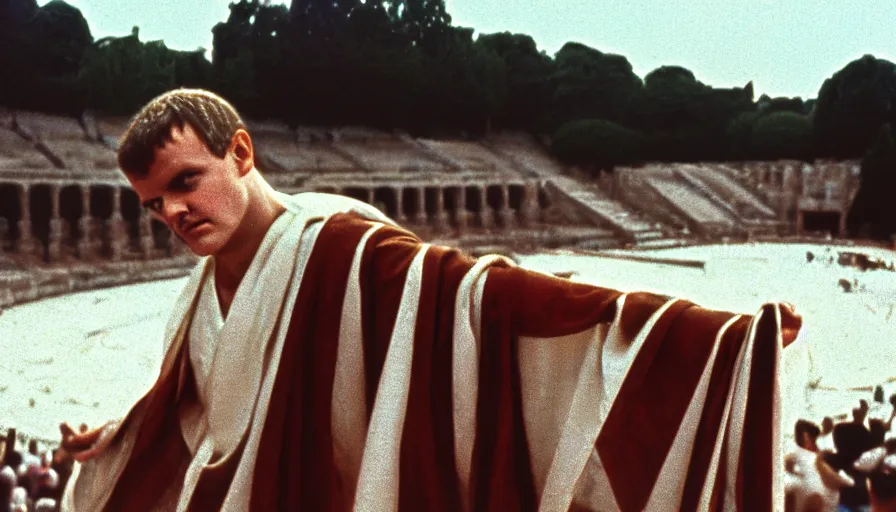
(122, 73)
(781, 134)
(597, 143)
(873, 211)
(465, 84)
(589, 84)
(251, 58)
(739, 135)
(43, 49)
(853, 105)
(686, 120)
(528, 73)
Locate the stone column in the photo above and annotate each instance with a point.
(4, 233)
(506, 214)
(399, 207)
(420, 214)
(147, 241)
(55, 236)
(116, 228)
(27, 244)
(441, 217)
(486, 216)
(370, 196)
(87, 242)
(460, 205)
(529, 207)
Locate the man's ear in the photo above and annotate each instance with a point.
(243, 151)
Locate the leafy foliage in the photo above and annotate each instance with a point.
(873, 212)
(402, 64)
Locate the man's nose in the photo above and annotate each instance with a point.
(174, 211)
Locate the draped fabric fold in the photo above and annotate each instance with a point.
(406, 376)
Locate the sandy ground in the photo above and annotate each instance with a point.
(87, 357)
(848, 339)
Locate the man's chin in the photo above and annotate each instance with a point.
(202, 250)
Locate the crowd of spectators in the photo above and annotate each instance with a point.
(31, 480)
(848, 466)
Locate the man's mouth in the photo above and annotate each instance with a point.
(189, 228)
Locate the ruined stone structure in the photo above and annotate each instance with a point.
(64, 204)
(744, 198)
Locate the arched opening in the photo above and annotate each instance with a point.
(359, 193)
(41, 206)
(101, 207)
(475, 205)
(495, 197)
(10, 213)
(515, 197)
(544, 201)
(71, 209)
(821, 222)
(452, 197)
(161, 236)
(385, 198)
(432, 200)
(131, 211)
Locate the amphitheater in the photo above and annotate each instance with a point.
(70, 222)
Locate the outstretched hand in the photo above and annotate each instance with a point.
(87, 444)
(791, 322)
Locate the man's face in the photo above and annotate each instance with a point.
(200, 197)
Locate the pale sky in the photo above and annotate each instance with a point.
(786, 47)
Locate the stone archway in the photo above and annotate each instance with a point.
(131, 211)
(412, 202)
(453, 205)
(72, 210)
(515, 195)
(386, 199)
(359, 193)
(475, 204)
(101, 209)
(41, 210)
(10, 214)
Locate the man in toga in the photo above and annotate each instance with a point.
(322, 358)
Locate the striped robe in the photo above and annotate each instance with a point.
(412, 377)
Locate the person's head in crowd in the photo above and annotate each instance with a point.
(10, 441)
(859, 413)
(878, 429)
(893, 400)
(806, 435)
(827, 425)
(19, 502)
(13, 459)
(879, 464)
(882, 489)
(45, 505)
(850, 441)
(7, 484)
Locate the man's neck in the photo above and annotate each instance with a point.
(233, 261)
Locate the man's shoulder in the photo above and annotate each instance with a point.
(325, 205)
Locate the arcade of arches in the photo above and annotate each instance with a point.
(61, 221)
